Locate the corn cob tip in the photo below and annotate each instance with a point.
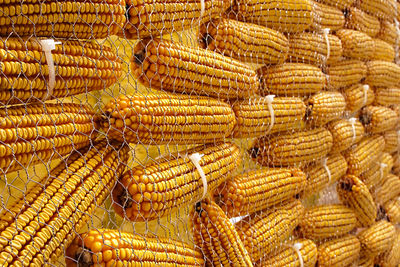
(365, 118)
(347, 185)
(82, 257)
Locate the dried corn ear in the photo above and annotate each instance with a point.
(345, 73)
(388, 189)
(383, 51)
(396, 164)
(167, 118)
(80, 67)
(259, 116)
(339, 252)
(314, 48)
(156, 190)
(387, 96)
(34, 134)
(382, 73)
(322, 174)
(365, 152)
(288, 149)
(358, 96)
(366, 261)
(284, 16)
(295, 253)
(167, 65)
(324, 107)
(356, 44)
(382, 9)
(326, 16)
(396, 108)
(391, 258)
(217, 237)
(150, 18)
(107, 247)
(38, 227)
(244, 41)
(378, 119)
(391, 210)
(345, 133)
(392, 141)
(341, 4)
(358, 20)
(378, 238)
(388, 32)
(258, 190)
(67, 19)
(377, 170)
(291, 79)
(355, 194)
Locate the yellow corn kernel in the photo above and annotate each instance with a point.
(258, 190)
(392, 141)
(383, 51)
(358, 96)
(396, 108)
(355, 194)
(107, 247)
(382, 73)
(341, 4)
(391, 258)
(396, 164)
(378, 119)
(167, 118)
(244, 41)
(377, 170)
(326, 16)
(157, 189)
(388, 189)
(382, 9)
(345, 133)
(167, 65)
(388, 32)
(366, 261)
(377, 239)
(356, 44)
(254, 117)
(391, 210)
(339, 252)
(324, 107)
(291, 79)
(345, 73)
(358, 20)
(217, 237)
(387, 96)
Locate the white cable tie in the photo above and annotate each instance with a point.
(270, 99)
(353, 127)
(203, 8)
(297, 247)
(365, 88)
(237, 219)
(328, 46)
(195, 158)
(381, 167)
(325, 165)
(47, 46)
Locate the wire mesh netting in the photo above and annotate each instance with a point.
(200, 133)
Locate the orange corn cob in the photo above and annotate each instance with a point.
(339, 252)
(388, 189)
(345, 73)
(358, 96)
(388, 32)
(377, 170)
(378, 119)
(357, 19)
(356, 44)
(382, 73)
(387, 96)
(326, 16)
(345, 133)
(324, 107)
(378, 238)
(392, 141)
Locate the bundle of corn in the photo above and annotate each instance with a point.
(382, 73)
(344, 73)
(387, 96)
(358, 20)
(378, 119)
(324, 107)
(378, 238)
(377, 170)
(114, 248)
(79, 67)
(358, 96)
(339, 252)
(388, 189)
(356, 44)
(156, 190)
(345, 133)
(325, 16)
(67, 19)
(391, 258)
(37, 133)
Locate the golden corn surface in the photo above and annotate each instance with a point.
(391, 258)
(392, 210)
(356, 44)
(358, 96)
(383, 51)
(345, 73)
(378, 119)
(388, 189)
(345, 133)
(382, 9)
(339, 252)
(324, 107)
(357, 19)
(392, 141)
(325, 16)
(341, 4)
(388, 32)
(378, 238)
(387, 96)
(377, 170)
(382, 73)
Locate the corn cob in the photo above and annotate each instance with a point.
(392, 139)
(167, 118)
(339, 252)
(357, 19)
(365, 152)
(388, 32)
(80, 67)
(391, 210)
(174, 183)
(356, 44)
(382, 73)
(35, 134)
(318, 176)
(284, 16)
(150, 18)
(44, 221)
(391, 258)
(217, 237)
(288, 255)
(258, 190)
(295, 208)
(345, 73)
(387, 96)
(365, 261)
(378, 119)
(106, 247)
(377, 170)
(163, 64)
(396, 164)
(288, 149)
(244, 41)
(67, 19)
(254, 117)
(388, 189)
(326, 16)
(396, 108)
(378, 238)
(345, 133)
(261, 233)
(355, 194)
(324, 107)
(291, 79)
(358, 96)
(383, 9)
(312, 48)
(327, 221)
(341, 4)
(383, 51)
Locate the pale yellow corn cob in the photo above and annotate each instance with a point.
(378, 119)
(291, 79)
(378, 238)
(341, 4)
(377, 170)
(339, 252)
(388, 189)
(253, 116)
(391, 258)
(396, 164)
(357, 19)
(325, 16)
(382, 73)
(383, 51)
(382, 9)
(324, 107)
(392, 139)
(396, 108)
(344, 135)
(288, 149)
(387, 96)
(358, 96)
(355, 194)
(318, 176)
(356, 44)
(345, 72)
(388, 32)
(391, 210)
(244, 41)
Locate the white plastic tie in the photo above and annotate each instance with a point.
(365, 88)
(47, 46)
(297, 247)
(195, 158)
(325, 165)
(381, 168)
(353, 128)
(237, 219)
(203, 8)
(328, 46)
(270, 99)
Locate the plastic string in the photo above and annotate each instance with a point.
(195, 158)
(47, 46)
